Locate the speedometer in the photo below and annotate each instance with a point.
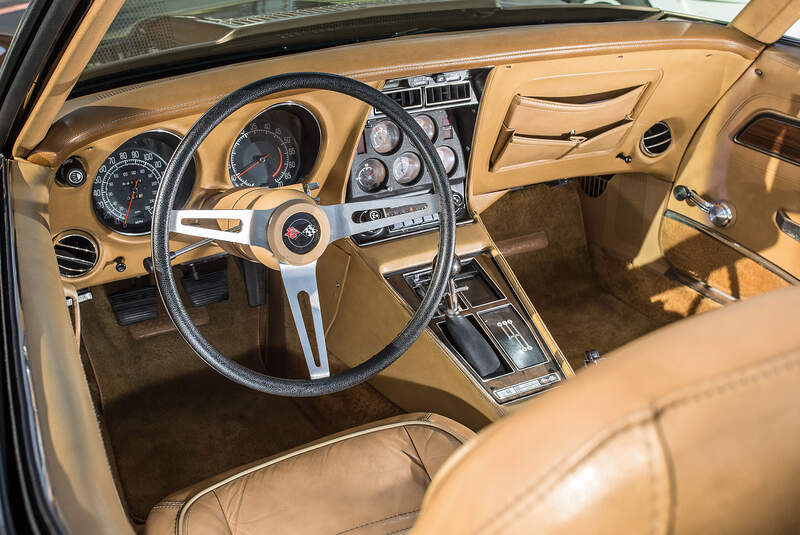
(264, 154)
(125, 187)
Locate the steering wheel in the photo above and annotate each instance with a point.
(288, 231)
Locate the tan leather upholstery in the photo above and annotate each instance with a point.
(367, 480)
(692, 429)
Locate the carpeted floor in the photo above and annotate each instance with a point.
(559, 279)
(170, 421)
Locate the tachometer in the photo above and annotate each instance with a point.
(264, 154)
(125, 187)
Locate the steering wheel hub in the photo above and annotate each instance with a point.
(298, 232)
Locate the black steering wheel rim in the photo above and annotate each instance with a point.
(165, 198)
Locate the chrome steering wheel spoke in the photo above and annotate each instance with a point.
(342, 217)
(298, 280)
(249, 229)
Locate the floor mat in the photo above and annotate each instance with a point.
(170, 421)
(559, 278)
(177, 433)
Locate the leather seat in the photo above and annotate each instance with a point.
(692, 429)
(367, 480)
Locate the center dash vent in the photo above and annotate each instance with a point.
(657, 139)
(441, 94)
(76, 255)
(407, 98)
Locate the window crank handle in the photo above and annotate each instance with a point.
(720, 213)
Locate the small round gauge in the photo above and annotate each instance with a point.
(406, 168)
(427, 125)
(125, 187)
(371, 174)
(385, 136)
(264, 154)
(448, 157)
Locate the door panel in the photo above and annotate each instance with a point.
(738, 157)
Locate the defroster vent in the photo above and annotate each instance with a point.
(443, 94)
(76, 254)
(407, 98)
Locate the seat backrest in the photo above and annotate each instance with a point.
(693, 429)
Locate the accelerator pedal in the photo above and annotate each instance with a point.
(205, 284)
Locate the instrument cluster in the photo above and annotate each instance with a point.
(386, 162)
(277, 148)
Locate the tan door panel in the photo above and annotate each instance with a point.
(757, 184)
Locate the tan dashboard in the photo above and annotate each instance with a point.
(340, 119)
(604, 89)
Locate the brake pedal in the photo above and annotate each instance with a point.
(135, 306)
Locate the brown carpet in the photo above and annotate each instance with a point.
(559, 278)
(170, 421)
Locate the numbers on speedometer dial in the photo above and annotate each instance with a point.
(264, 154)
(125, 187)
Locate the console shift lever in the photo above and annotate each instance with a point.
(452, 290)
(464, 334)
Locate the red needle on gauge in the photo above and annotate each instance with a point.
(255, 163)
(130, 202)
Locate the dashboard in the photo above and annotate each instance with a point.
(479, 95)
(278, 145)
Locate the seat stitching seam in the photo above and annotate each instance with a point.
(222, 510)
(378, 521)
(241, 498)
(421, 461)
(735, 381)
(520, 498)
(652, 476)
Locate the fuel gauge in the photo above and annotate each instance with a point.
(370, 175)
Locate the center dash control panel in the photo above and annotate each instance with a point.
(387, 164)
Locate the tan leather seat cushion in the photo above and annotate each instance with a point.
(693, 429)
(367, 480)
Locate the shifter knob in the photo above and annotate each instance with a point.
(455, 269)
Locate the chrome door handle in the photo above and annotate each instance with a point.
(787, 225)
(720, 213)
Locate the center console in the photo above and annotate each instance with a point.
(482, 321)
(486, 328)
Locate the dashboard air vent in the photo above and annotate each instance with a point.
(657, 139)
(76, 254)
(407, 98)
(442, 94)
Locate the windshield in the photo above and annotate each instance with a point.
(716, 10)
(148, 29)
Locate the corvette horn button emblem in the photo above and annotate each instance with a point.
(301, 233)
